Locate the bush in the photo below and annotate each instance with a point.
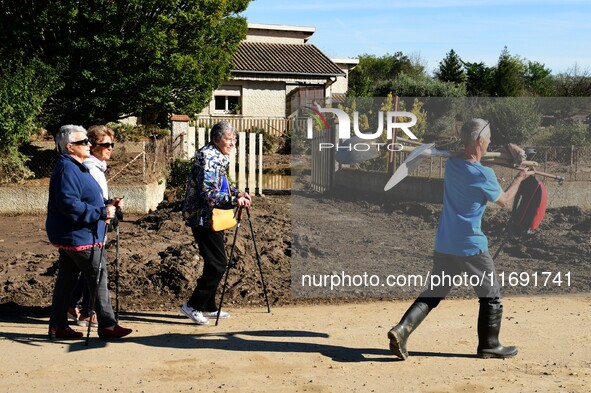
(177, 180)
(13, 168)
(569, 132)
(271, 144)
(513, 120)
(129, 133)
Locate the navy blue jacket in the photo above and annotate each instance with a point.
(76, 209)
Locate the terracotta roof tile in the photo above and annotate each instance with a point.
(285, 59)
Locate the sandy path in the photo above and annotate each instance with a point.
(324, 348)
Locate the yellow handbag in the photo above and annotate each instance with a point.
(223, 219)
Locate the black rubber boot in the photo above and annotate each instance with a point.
(489, 325)
(398, 335)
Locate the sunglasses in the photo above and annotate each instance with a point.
(483, 128)
(82, 142)
(106, 145)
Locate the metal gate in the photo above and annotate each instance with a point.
(323, 159)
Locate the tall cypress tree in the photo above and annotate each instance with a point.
(451, 69)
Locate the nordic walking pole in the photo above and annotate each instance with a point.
(238, 219)
(117, 273)
(256, 250)
(98, 278)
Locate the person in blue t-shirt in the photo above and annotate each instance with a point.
(461, 246)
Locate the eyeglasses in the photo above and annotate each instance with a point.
(106, 145)
(83, 142)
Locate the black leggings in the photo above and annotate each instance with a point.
(213, 250)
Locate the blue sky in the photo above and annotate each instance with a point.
(555, 33)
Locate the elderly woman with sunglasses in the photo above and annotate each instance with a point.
(76, 225)
(102, 143)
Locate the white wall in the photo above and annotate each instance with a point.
(263, 99)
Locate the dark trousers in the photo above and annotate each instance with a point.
(81, 292)
(213, 251)
(479, 266)
(71, 264)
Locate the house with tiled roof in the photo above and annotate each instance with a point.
(275, 71)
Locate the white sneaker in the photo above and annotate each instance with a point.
(194, 315)
(214, 314)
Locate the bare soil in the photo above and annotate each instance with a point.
(323, 341)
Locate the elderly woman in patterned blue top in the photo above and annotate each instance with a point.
(208, 187)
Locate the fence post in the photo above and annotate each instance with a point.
(201, 137)
(179, 133)
(144, 161)
(252, 163)
(232, 168)
(191, 144)
(260, 181)
(572, 163)
(241, 160)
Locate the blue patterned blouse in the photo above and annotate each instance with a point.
(205, 187)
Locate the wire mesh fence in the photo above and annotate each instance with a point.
(571, 162)
(131, 162)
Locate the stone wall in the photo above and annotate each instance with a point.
(23, 199)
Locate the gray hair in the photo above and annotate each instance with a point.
(65, 135)
(219, 129)
(472, 129)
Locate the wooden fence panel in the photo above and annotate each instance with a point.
(273, 126)
(246, 162)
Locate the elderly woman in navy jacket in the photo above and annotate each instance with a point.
(76, 216)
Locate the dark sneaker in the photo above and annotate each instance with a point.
(64, 333)
(117, 332)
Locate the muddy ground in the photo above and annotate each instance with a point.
(315, 339)
(159, 263)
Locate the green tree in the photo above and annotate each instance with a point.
(479, 79)
(509, 76)
(116, 58)
(573, 83)
(409, 86)
(451, 69)
(373, 70)
(538, 79)
(24, 87)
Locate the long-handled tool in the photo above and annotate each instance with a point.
(96, 288)
(419, 153)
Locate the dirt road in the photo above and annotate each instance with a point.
(303, 345)
(322, 348)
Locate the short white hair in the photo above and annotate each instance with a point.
(65, 135)
(472, 129)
